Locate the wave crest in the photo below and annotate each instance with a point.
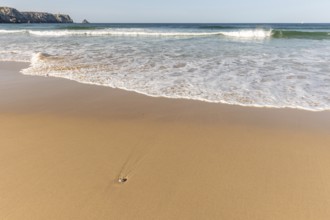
(140, 32)
(249, 33)
(12, 31)
(254, 34)
(301, 34)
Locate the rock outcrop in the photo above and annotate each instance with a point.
(11, 15)
(85, 21)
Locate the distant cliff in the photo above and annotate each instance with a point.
(11, 15)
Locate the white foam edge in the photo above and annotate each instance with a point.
(26, 72)
(246, 34)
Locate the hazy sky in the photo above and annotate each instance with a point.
(218, 11)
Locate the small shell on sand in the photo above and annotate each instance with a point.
(122, 180)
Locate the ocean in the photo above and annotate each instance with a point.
(261, 65)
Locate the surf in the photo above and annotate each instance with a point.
(252, 34)
(245, 33)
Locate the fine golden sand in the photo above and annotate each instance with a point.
(65, 145)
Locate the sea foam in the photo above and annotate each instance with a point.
(139, 32)
(253, 34)
(248, 67)
(248, 81)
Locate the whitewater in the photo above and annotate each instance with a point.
(260, 65)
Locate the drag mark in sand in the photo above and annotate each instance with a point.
(138, 154)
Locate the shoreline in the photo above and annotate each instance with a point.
(64, 145)
(124, 98)
(185, 98)
(168, 97)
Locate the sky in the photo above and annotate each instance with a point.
(183, 11)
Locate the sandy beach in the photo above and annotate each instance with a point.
(64, 146)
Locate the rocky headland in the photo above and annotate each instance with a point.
(12, 15)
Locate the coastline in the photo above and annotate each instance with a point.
(65, 144)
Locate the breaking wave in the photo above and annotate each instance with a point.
(252, 65)
(243, 33)
(12, 31)
(259, 34)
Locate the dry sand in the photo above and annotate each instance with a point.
(63, 146)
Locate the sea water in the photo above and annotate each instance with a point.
(261, 65)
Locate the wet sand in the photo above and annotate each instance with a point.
(64, 145)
